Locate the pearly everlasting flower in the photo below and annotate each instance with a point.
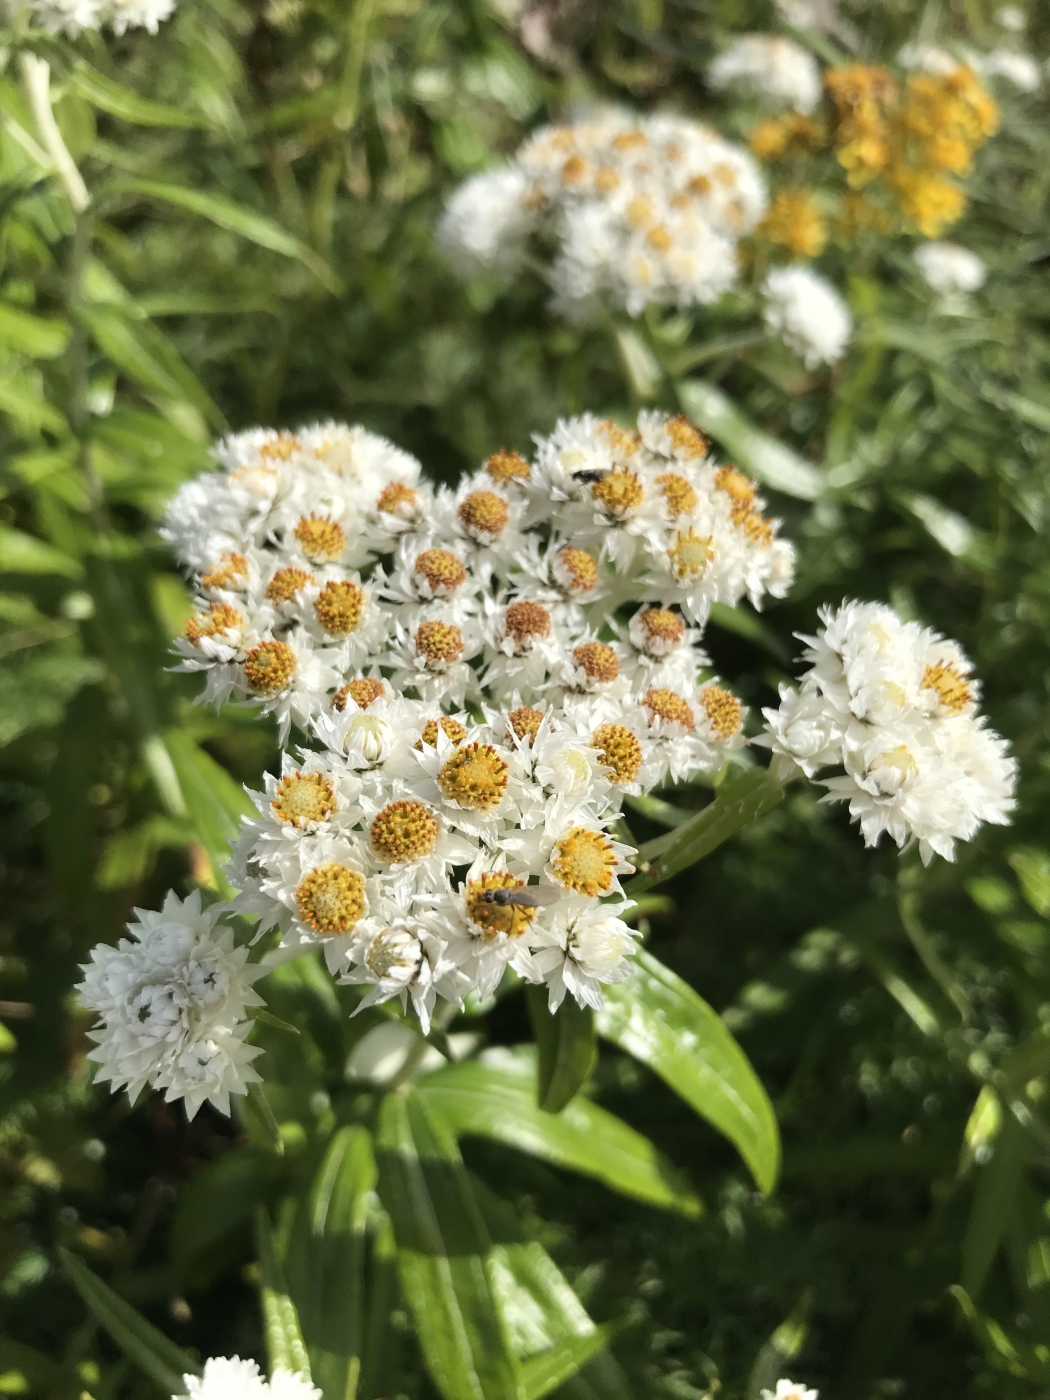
(172, 1001)
(580, 949)
(770, 67)
(808, 315)
(894, 705)
(72, 16)
(789, 1390)
(638, 210)
(230, 1378)
(1019, 69)
(947, 267)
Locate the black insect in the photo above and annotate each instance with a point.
(590, 477)
(524, 896)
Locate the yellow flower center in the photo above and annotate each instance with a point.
(483, 513)
(439, 643)
(494, 919)
(524, 722)
(286, 583)
(659, 238)
(230, 572)
(321, 540)
(660, 625)
(584, 862)
(575, 569)
(620, 751)
(629, 140)
(391, 950)
(404, 831)
(281, 448)
(219, 618)
(269, 667)
(303, 798)
(949, 685)
(441, 570)
(690, 554)
(639, 211)
(669, 706)
(398, 499)
(620, 492)
(755, 526)
(449, 726)
(679, 494)
(339, 607)
(524, 621)
(794, 222)
(686, 439)
(900, 758)
(606, 180)
(722, 709)
(363, 691)
(474, 776)
(597, 661)
(621, 441)
(331, 899)
(739, 489)
(573, 171)
(506, 466)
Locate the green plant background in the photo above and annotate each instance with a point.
(265, 182)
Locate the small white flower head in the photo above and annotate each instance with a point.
(486, 223)
(808, 315)
(928, 58)
(1012, 18)
(72, 16)
(948, 267)
(1019, 69)
(819, 15)
(789, 1390)
(769, 67)
(579, 947)
(172, 1001)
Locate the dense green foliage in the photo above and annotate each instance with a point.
(265, 180)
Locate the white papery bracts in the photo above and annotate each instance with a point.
(893, 706)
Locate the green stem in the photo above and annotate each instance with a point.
(443, 1017)
(36, 76)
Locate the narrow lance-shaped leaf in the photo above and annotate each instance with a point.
(567, 1048)
(327, 1261)
(119, 101)
(496, 1098)
(661, 1021)
(738, 802)
(257, 228)
(757, 452)
(442, 1246)
(164, 1362)
(284, 1339)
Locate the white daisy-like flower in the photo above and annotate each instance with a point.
(432, 657)
(486, 223)
(1019, 69)
(770, 67)
(808, 315)
(578, 948)
(173, 1002)
(948, 267)
(230, 1378)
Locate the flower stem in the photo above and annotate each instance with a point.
(36, 75)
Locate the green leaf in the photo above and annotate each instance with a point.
(215, 801)
(257, 228)
(495, 1097)
(994, 1205)
(545, 1372)
(738, 802)
(567, 1048)
(442, 1249)
(1004, 1352)
(757, 452)
(284, 1339)
(661, 1021)
(34, 693)
(22, 399)
(783, 1346)
(118, 101)
(1032, 868)
(327, 1261)
(141, 1342)
(39, 337)
(25, 554)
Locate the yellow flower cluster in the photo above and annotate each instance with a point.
(908, 141)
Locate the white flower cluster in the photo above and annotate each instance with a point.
(172, 1000)
(72, 16)
(789, 1390)
(808, 315)
(776, 70)
(640, 210)
(474, 727)
(948, 267)
(230, 1378)
(893, 705)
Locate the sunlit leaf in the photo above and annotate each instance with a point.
(567, 1048)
